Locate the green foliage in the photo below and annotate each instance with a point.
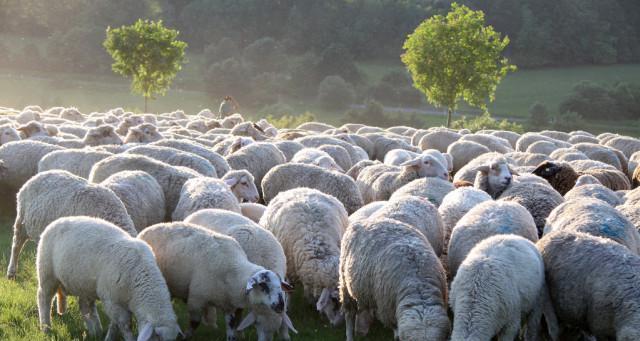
(335, 93)
(264, 55)
(337, 60)
(228, 77)
(226, 48)
(538, 116)
(485, 121)
(147, 52)
(598, 101)
(395, 88)
(568, 121)
(373, 114)
(290, 121)
(456, 57)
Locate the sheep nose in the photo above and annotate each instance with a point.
(256, 198)
(278, 307)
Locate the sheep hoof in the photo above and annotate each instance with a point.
(11, 276)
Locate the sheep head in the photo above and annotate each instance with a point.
(33, 129)
(264, 288)
(498, 174)
(144, 133)
(8, 134)
(104, 134)
(427, 166)
(242, 185)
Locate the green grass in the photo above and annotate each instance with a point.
(19, 311)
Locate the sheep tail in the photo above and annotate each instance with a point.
(61, 301)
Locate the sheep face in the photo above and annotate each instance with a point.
(144, 133)
(547, 170)
(329, 305)
(499, 174)
(102, 135)
(72, 114)
(8, 134)
(243, 187)
(33, 129)
(428, 166)
(264, 288)
(239, 143)
(164, 332)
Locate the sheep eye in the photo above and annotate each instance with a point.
(426, 162)
(264, 287)
(244, 183)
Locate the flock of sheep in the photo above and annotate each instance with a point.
(437, 234)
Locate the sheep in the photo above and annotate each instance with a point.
(175, 157)
(463, 152)
(144, 133)
(261, 247)
(627, 145)
(510, 136)
(397, 157)
(288, 148)
(455, 205)
(200, 193)
(359, 141)
(378, 182)
(253, 211)
(597, 218)
(354, 171)
(590, 190)
(389, 270)
(340, 155)
(309, 225)
(383, 145)
(8, 133)
(267, 128)
(575, 139)
(439, 140)
(494, 176)
(71, 114)
(75, 161)
(317, 141)
(258, 159)
(232, 120)
(499, 285)
(104, 134)
(227, 280)
(528, 139)
(560, 175)
(294, 175)
(218, 162)
(419, 213)
(20, 162)
(599, 153)
(525, 159)
(432, 189)
(170, 178)
(368, 130)
(541, 147)
(315, 126)
(128, 122)
(32, 129)
(77, 131)
(494, 143)
(537, 198)
(27, 116)
(230, 145)
(487, 219)
(556, 135)
(141, 195)
(316, 157)
(54, 194)
(366, 211)
(608, 175)
(606, 303)
(94, 259)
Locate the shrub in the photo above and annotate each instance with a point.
(228, 77)
(335, 93)
(568, 121)
(485, 121)
(538, 116)
(290, 121)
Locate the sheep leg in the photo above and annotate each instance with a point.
(19, 239)
(509, 332)
(120, 321)
(46, 290)
(232, 320)
(194, 308)
(350, 321)
(533, 324)
(210, 316)
(90, 316)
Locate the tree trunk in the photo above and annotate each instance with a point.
(449, 113)
(146, 99)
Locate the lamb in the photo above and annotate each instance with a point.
(313, 156)
(218, 162)
(261, 247)
(309, 225)
(499, 284)
(258, 159)
(419, 213)
(170, 178)
(378, 182)
(175, 157)
(20, 162)
(94, 259)
(72, 196)
(494, 176)
(144, 133)
(200, 193)
(606, 304)
(463, 152)
(227, 280)
(253, 211)
(389, 270)
(597, 218)
(8, 133)
(432, 189)
(74, 161)
(141, 195)
(487, 219)
(294, 175)
(455, 205)
(537, 198)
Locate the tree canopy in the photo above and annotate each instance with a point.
(147, 52)
(456, 57)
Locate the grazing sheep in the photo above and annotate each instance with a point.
(170, 178)
(439, 140)
(494, 143)
(258, 159)
(20, 162)
(227, 280)
(33, 129)
(317, 141)
(202, 192)
(455, 205)
(8, 133)
(144, 133)
(293, 175)
(316, 157)
(309, 225)
(606, 303)
(175, 157)
(288, 148)
(560, 175)
(499, 286)
(590, 190)
(463, 152)
(55, 194)
(494, 176)
(141, 195)
(537, 198)
(339, 155)
(525, 159)
(597, 218)
(389, 270)
(487, 219)
(94, 259)
(74, 161)
(218, 162)
(432, 189)
(253, 211)
(102, 135)
(627, 145)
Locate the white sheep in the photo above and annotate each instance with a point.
(74, 161)
(218, 162)
(101, 135)
(94, 259)
(258, 159)
(202, 192)
(456, 204)
(8, 133)
(432, 189)
(144, 133)
(175, 157)
(213, 273)
(314, 156)
(495, 176)
(309, 225)
(20, 162)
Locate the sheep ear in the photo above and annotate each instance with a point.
(251, 283)
(512, 171)
(231, 181)
(483, 169)
(145, 333)
(247, 322)
(323, 300)
(287, 322)
(22, 128)
(286, 287)
(412, 163)
(449, 159)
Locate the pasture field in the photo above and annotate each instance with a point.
(19, 310)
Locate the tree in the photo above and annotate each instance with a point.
(456, 58)
(538, 115)
(147, 52)
(335, 93)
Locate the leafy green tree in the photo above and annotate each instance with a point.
(538, 115)
(485, 121)
(456, 57)
(147, 52)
